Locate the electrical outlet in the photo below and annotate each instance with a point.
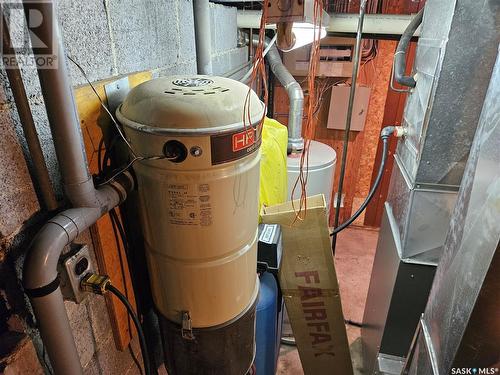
(75, 266)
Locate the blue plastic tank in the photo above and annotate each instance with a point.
(266, 328)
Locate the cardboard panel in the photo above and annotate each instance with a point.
(310, 288)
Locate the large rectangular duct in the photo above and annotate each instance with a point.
(460, 328)
(455, 57)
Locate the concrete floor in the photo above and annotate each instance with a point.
(353, 263)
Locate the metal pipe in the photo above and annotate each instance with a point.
(400, 55)
(342, 23)
(203, 36)
(48, 197)
(295, 96)
(352, 92)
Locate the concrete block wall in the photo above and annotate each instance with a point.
(107, 38)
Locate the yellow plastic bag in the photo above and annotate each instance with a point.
(273, 176)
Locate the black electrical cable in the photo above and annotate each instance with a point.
(385, 135)
(135, 319)
(353, 323)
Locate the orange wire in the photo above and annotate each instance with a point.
(259, 71)
(309, 127)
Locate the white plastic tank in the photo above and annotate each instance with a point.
(321, 169)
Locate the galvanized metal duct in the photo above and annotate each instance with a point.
(342, 23)
(294, 92)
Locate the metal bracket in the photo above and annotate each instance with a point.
(116, 92)
(187, 326)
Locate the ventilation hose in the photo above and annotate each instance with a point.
(384, 135)
(400, 55)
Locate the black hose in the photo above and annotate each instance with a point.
(135, 319)
(353, 323)
(385, 134)
(400, 55)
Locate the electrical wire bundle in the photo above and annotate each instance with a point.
(310, 110)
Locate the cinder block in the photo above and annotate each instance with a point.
(23, 360)
(224, 28)
(87, 38)
(145, 36)
(111, 361)
(45, 136)
(225, 62)
(187, 68)
(187, 44)
(98, 314)
(18, 201)
(92, 367)
(82, 331)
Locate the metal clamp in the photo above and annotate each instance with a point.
(187, 326)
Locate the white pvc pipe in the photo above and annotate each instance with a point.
(384, 24)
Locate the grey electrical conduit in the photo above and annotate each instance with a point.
(294, 92)
(47, 195)
(400, 54)
(40, 267)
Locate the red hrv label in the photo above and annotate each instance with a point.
(243, 139)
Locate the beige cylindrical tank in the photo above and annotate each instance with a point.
(199, 207)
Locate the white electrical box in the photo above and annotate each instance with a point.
(335, 58)
(337, 114)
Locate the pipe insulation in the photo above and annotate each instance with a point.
(294, 92)
(203, 36)
(342, 23)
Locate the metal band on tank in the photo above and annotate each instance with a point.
(184, 132)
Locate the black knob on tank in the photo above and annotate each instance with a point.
(175, 151)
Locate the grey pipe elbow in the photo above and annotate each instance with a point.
(41, 284)
(40, 265)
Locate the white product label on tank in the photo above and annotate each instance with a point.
(267, 234)
(189, 204)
